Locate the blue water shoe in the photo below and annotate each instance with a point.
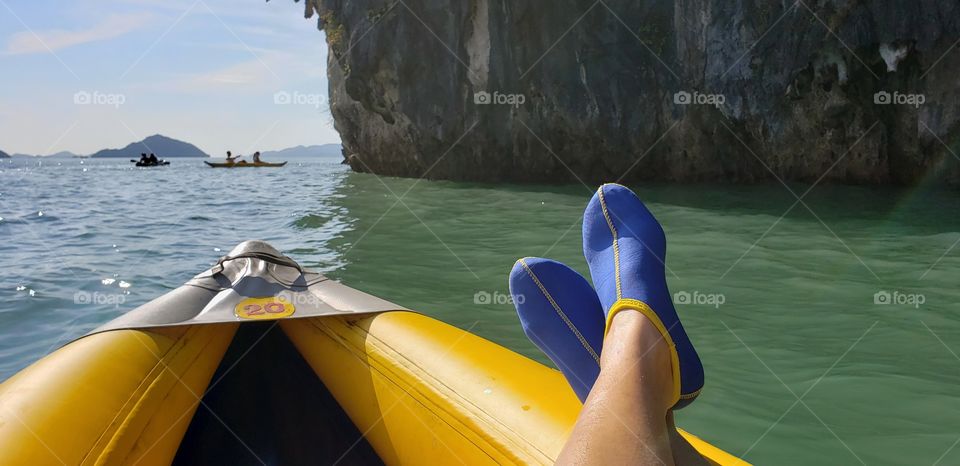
(561, 314)
(626, 249)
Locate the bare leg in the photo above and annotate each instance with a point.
(627, 419)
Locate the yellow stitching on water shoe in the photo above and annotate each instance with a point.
(616, 248)
(691, 395)
(563, 316)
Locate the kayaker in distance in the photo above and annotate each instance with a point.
(256, 157)
(153, 159)
(143, 159)
(231, 159)
(621, 347)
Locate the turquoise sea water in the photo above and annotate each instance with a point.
(802, 365)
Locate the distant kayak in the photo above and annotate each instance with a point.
(245, 164)
(158, 164)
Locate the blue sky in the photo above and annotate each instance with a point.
(91, 74)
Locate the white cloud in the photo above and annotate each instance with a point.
(277, 70)
(27, 42)
(249, 75)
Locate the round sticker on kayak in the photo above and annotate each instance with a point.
(272, 307)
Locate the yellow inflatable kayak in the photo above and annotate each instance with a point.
(258, 361)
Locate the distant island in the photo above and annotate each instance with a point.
(4, 155)
(321, 150)
(158, 144)
(64, 154)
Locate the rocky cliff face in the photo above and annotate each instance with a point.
(557, 90)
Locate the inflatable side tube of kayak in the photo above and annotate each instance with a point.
(118, 397)
(424, 392)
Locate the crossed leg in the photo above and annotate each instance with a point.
(627, 417)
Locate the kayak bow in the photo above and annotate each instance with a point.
(343, 372)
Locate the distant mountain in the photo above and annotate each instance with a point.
(4, 155)
(162, 146)
(322, 150)
(64, 154)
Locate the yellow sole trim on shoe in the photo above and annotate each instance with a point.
(643, 308)
(563, 316)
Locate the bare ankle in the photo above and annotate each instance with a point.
(638, 337)
(634, 344)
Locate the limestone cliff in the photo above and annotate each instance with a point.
(851, 91)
